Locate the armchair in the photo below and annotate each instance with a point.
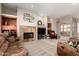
(52, 35)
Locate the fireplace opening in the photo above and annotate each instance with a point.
(41, 33)
(28, 35)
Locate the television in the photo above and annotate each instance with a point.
(41, 31)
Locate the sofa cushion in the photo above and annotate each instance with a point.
(1, 53)
(11, 39)
(65, 50)
(15, 50)
(1, 40)
(3, 47)
(17, 43)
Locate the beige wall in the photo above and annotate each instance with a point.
(0, 17)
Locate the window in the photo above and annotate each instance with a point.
(65, 27)
(77, 27)
(61, 28)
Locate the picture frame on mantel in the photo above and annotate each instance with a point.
(28, 17)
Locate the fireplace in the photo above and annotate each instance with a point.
(28, 35)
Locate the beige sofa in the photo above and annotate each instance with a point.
(10, 46)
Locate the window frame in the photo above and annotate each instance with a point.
(65, 27)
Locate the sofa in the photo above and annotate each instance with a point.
(11, 46)
(63, 49)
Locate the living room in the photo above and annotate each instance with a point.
(39, 28)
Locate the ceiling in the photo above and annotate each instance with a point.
(49, 9)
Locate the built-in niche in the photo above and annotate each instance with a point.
(8, 25)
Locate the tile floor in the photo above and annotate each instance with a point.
(43, 47)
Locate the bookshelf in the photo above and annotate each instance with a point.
(8, 26)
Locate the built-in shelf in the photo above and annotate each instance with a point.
(8, 25)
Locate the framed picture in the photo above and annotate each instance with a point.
(28, 17)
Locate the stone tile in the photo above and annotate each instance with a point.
(45, 47)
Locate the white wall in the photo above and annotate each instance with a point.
(54, 25)
(67, 20)
(8, 10)
(21, 22)
(77, 21)
(43, 19)
(44, 22)
(53, 22)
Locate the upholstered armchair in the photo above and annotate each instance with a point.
(52, 35)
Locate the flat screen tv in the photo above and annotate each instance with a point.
(41, 31)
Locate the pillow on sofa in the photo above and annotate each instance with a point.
(16, 51)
